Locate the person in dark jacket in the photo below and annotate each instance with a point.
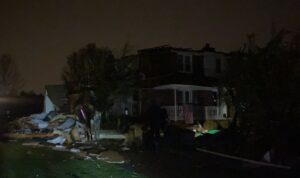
(155, 120)
(85, 112)
(156, 117)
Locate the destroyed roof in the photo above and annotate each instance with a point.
(57, 94)
(206, 48)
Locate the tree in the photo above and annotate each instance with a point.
(263, 84)
(97, 70)
(126, 72)
(10, 82)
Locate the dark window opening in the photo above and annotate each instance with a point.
(184, 63)
(179, 96)
(180, 63)
(187, 97)
(188, 65)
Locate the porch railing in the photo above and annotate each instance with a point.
(192, 111)
(171, 112)
(198, 112)
(212, 113)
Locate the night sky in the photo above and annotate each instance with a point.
(39, 34)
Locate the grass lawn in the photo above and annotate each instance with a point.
(17, 161)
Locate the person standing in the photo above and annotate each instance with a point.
(154, 114)
(85, 112)
(96, 126)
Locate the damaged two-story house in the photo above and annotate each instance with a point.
(184, 81)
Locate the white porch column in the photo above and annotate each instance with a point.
(175, 105)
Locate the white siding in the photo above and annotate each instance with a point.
(48, 104)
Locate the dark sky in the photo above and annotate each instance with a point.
(39, 34)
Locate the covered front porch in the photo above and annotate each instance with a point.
(190, 103)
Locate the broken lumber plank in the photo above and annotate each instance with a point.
(30, 136)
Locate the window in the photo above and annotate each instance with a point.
(184, 63)
(198, 63)
(187, 64)
(218, 65)
(187, 97)
(179, 97)
(183, 96)
(180, 66)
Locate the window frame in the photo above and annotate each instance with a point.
(183, 68)
(182, 97)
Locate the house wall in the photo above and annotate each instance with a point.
(165, 97)
(196, 62)
(198, 65)
(160, 66)
(203, 98)
(210, 59)
(48, 104)
(147, 96)
(155, 63)
(163, 65)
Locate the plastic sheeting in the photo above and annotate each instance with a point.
(40, 123)
(39, 116)
(58, 140)
(67, 124)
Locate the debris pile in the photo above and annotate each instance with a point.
(56, 128)
(68, 132)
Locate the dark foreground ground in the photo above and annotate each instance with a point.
(168, 162)
(185, 163)
(18, 161)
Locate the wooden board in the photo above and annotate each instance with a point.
(29, 136)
